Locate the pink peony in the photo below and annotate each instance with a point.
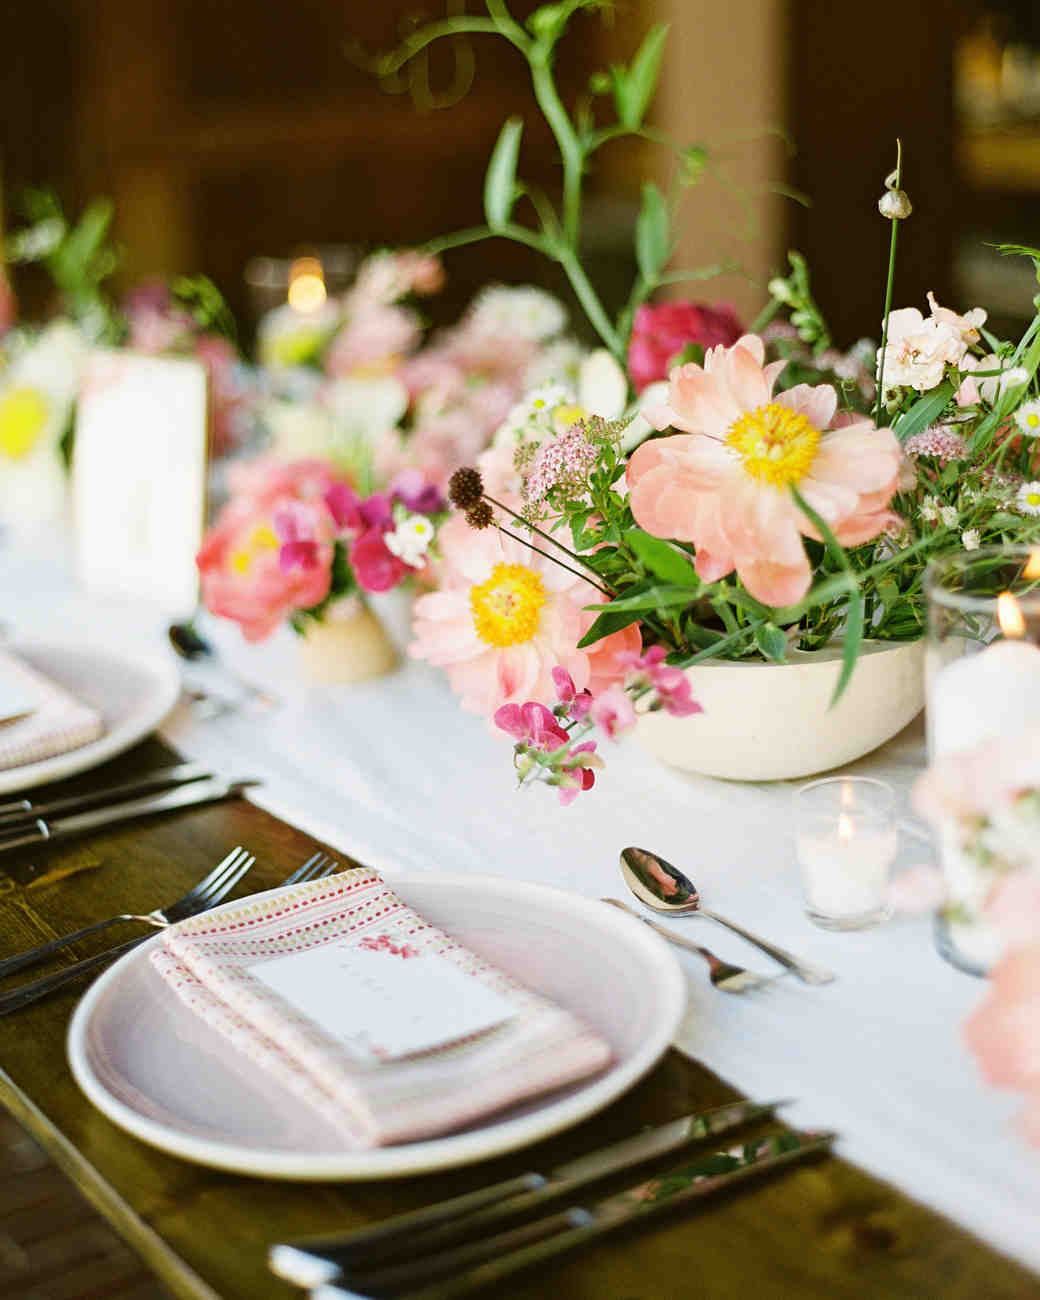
(504, 617)
(724, 483)
(243, 577)
(660, 332)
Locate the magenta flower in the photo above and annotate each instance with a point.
(612, 711)
(416, 493)
(577, 702)
(296, 527)
(671, 685)
(531, 724)
(661, 332)
(579, 778)
(375, 567)
(345, 506)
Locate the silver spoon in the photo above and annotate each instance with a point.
(728, 978)
(193, 647)
(659, 885)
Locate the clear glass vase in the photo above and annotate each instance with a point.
(982, 672)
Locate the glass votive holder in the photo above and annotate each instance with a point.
(846, 840)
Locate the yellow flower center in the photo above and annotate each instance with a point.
(1033, 421)
(23, 417)
(566, 414)
(776, 443)
(261, 538)
(507, 607)
(1033, 498)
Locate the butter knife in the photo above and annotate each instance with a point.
(308, 1263)
(479, 1264)
(24, 810)
(60, 828)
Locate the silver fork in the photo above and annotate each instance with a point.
(724, 975)
(315, 868)
(194, 901)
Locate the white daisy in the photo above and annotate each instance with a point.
(1027, 498)
(970, 540)
(1027, 417)
(521, 312)
(949, 515)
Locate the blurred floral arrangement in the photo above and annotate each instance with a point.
(988, 801)
(296, 538)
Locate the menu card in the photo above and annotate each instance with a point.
(139, 476)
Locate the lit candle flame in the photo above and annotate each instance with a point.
(1009, 615)
(1032, 569)
(848, 795)
(845, 828)
(306, 285)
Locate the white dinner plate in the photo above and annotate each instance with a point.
(132, 692)
(159, 1071)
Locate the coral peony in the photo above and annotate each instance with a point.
(659, 333)
(504, 617)
(724, 484)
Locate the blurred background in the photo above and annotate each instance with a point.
(232, 135)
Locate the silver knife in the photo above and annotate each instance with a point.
(458, 1272)
(22, 810)
(309, 1263)
(198, 792)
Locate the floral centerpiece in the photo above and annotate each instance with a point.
(745, 494)
(298, 544)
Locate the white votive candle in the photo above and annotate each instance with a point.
(979, 697)
(846, 842)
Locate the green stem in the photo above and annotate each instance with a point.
(586, 295)
(554, 559)
(560, 124)
(765, 316)
(418, 41)
(888, 290)
(548, 537)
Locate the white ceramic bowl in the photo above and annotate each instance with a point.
(766, 722)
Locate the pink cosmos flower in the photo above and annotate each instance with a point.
(724, 482)
(660, 332)
(612, 711)
(505, 616)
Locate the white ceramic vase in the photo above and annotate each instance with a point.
(350, 644)
(767, 722)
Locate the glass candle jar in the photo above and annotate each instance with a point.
(982, 671)
(846, 842)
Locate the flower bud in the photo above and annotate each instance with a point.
(895, 205)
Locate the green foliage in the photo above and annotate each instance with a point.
(662, 559)
(635, 85)
(201, 298)
(500, 182)
(653, 233)
(77, 257)
(925, 411)
(793, 291)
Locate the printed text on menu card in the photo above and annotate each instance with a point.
(381, 1004)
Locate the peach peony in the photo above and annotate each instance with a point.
(504, 617)
(724, 482)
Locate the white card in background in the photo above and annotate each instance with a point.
(381, 1004)
(139, 477)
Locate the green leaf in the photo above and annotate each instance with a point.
(662, 559)
(772, 641)
(500, 181)
(690, 352)
(925, 411)
(653, 598)
(853, 641)
(642, 77)
(608, 622)
(653, 233)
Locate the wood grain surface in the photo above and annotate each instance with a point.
(825, 1230)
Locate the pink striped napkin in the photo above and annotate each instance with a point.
(212, 964)
(57, 723)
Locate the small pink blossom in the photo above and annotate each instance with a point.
(565, 461)
(297, 525)
(672, 686)
(344, 505)
(577, 702)
(531, 724)
(940, 442)
(580, 778)
(612, 711)
(375, 566)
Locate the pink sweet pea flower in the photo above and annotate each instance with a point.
(577, 702)
(345, 507)
(661, 332)
(531, 724)
(612, 711)
(296, 526)
(583, 778)
(724, 483)
(672, 686)
(375, 567)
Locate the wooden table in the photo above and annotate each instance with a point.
(824, 1230)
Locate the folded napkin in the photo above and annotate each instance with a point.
(223, 967)
(56, 721)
